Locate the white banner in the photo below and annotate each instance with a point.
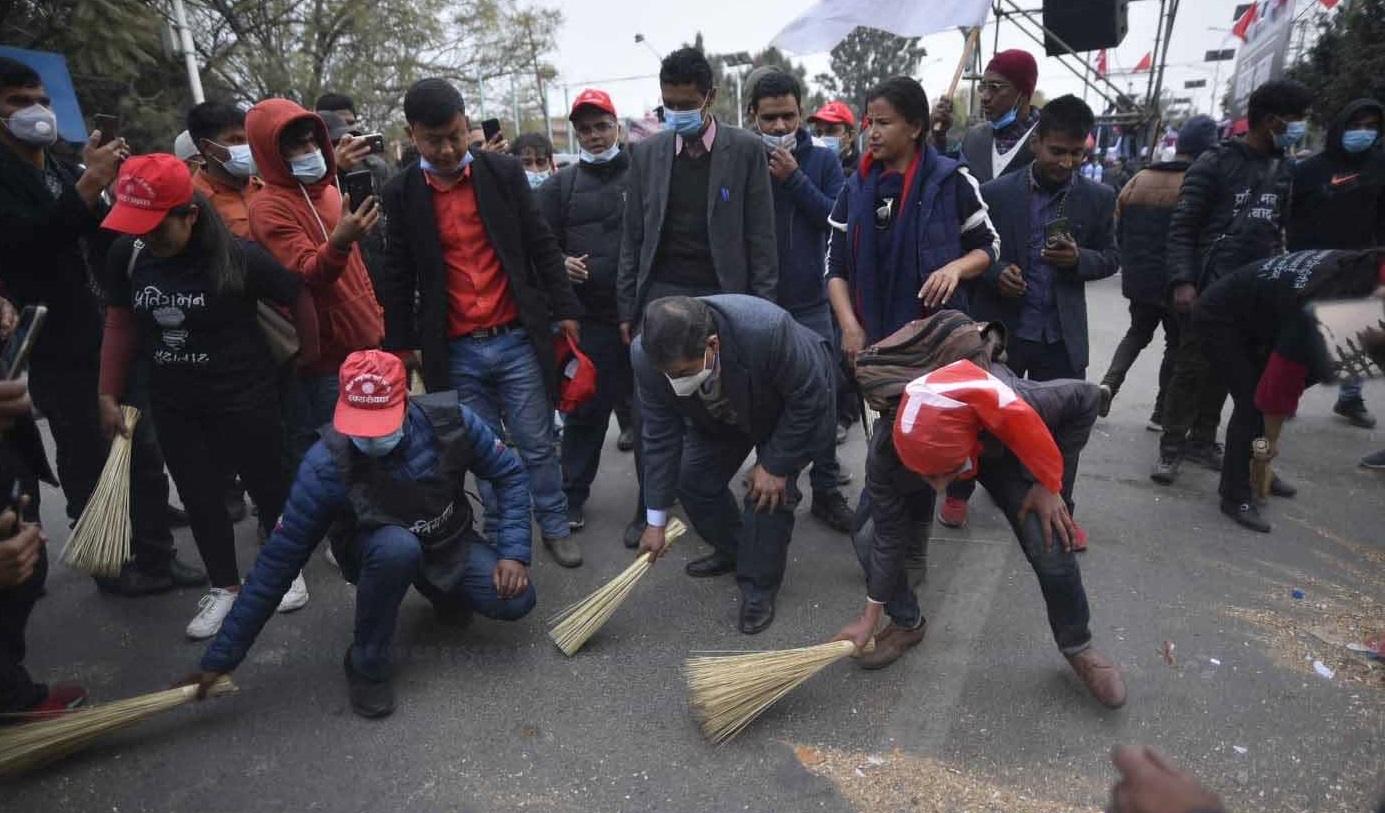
(828, 22)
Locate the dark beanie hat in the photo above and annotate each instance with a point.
(1019, 67)
(1197, 136)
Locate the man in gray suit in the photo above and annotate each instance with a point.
(999, 145)
(699, 213)
(717, 377)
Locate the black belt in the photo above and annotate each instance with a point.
(493, 332)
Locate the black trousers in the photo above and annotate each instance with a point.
(17, 690)
(1239, 364)
(200, 445)
(66, 395)
(584, 432)
(1195, 394)
(1145, 318)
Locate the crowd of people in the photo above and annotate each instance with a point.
(721, 291)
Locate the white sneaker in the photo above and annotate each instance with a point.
(214, 608)
(296, 597)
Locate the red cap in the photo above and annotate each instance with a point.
(148, 187)
(599, 99)
(1019, 68)
(374, 395)
(834, 113)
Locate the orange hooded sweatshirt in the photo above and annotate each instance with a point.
(293, 222)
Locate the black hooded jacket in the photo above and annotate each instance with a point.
(1339, 198)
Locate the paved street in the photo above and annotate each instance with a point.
(985, 715)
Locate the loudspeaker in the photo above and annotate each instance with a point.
(1085, 25)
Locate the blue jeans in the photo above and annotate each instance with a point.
(502, 377)
(1350, 390)
(390, 559)
(826, 472)
(311, 402)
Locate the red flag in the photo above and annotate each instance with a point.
(1247, 20)
(1329, 3)
(1101, 63)
(1146, 62)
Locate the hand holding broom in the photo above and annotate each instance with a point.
(19, 552)
(100, 542)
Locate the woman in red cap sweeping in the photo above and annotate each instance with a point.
(183, 290)
(1020, 440)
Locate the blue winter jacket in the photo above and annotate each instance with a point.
(319, 496)
(802, 205)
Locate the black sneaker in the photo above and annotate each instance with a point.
(1282, 488)
(576, 518)
(177, 517)
(831, 508)
(626, 441)
(369, 698)
(1246, 515)
(1374, 461)
(1166, 470)
(185, 575)
(134, 583)
(1208, 454)
(1104, 404)
(1155, 422)
(236, 508)
(1354, 410)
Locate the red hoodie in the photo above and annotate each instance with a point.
(293, 222)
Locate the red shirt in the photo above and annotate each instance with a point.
(478, 291)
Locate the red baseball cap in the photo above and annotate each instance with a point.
(374, 395)
(148, 187)
(834, 113)
(599, 99)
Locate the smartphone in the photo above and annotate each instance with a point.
(491, 129)
(376, 142)
(108, 125)
(359, 185)
(1058, 227)
(20, 345)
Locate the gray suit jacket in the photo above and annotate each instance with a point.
(977, 148)
(740, 217)
(779, 376)
(1091, 210)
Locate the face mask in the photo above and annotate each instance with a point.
(1358, 141)
(689, 384)
(599, 157)
(787, 142)
(1293, 133)
(536, 179)
(310, 168)
(833, 143)
(685, 123)
(34, 125)
(427, 166)
(241, 164)
(378, 447)
(1007, 119)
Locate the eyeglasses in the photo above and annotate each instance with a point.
(994, 87)
(597, 128)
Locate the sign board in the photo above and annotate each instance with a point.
(1263, 56)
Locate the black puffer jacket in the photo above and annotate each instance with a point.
(584, 205)
(1144, 211)
(1339, 198)
(1217, 187)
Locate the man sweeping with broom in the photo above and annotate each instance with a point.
(1020, 440)
(395, 467)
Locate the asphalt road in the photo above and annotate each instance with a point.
(985, 715)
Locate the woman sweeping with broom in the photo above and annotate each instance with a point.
(183, 290)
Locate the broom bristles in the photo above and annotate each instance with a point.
(27, 746)
(728, 691)
(100, 541)
(574, 625)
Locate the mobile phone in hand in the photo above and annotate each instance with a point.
(376, 142)
(108, 125)
(1056, 229)
(15, 357)
(359, 185)
(491, 129)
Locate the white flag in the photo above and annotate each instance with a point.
(828, 22)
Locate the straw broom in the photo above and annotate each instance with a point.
(100, 542)
(573, 626)
(30, 745)
(728, 691)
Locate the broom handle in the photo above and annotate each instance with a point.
(972, 39)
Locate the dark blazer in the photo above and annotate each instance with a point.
(740, 217)
(779, 376)
(977, 148)
(1091, 210)
(413, 289)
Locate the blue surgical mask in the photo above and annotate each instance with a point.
(310, 168)
(241, 164)
(599, 157)
(833, 143)
(1007, 119)
(685, 123)
(1358, 141)
(536, 179)
(1294, 132)
(427, 166)
(786, 142)
(378, 447)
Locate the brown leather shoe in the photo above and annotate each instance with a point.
(1102, 677)
(892, 642)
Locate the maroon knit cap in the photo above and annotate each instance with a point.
(1019, 68)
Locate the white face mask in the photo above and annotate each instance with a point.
(34, 125)
(600, 157)
(832, 143)
(310, 168)
(241, 164)
(787, 141)
(536, 179)
(689, 384)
